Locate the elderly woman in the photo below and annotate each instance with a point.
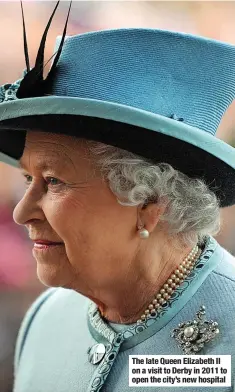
(125, 180)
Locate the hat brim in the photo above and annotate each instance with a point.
(158, 138)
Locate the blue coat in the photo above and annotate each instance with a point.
(61, 326)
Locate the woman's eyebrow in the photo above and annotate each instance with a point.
(43, 166)
(21, 165)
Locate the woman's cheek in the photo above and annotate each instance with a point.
(66, 217)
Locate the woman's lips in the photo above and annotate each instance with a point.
(46, 245)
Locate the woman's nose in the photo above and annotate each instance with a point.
(28, 208)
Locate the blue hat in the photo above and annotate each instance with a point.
(158, 94)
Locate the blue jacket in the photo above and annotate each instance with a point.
(61, 326)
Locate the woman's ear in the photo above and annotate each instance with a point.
(149, 215)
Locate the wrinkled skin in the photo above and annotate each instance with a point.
(101, 255)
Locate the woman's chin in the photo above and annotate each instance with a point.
(51, 272)
(49, 277)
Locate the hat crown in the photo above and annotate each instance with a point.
(163, 72)
(130, 88)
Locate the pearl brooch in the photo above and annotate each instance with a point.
(191, 336)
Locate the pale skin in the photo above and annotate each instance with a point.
(102, 255)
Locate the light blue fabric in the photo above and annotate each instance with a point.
(142, 77)
(9, 160)
(121, 113)
(61, 325)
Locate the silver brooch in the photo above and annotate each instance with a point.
(96, 353)
(191, 336)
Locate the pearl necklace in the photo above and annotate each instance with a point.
(174, 281)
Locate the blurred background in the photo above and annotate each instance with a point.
(18, 282)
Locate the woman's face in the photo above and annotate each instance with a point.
(67, 201)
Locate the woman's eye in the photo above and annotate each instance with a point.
(49, 180)
(52, 181)
(28, 179)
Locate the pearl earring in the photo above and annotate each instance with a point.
(143, 233)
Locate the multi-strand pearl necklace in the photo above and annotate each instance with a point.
(174, 281)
